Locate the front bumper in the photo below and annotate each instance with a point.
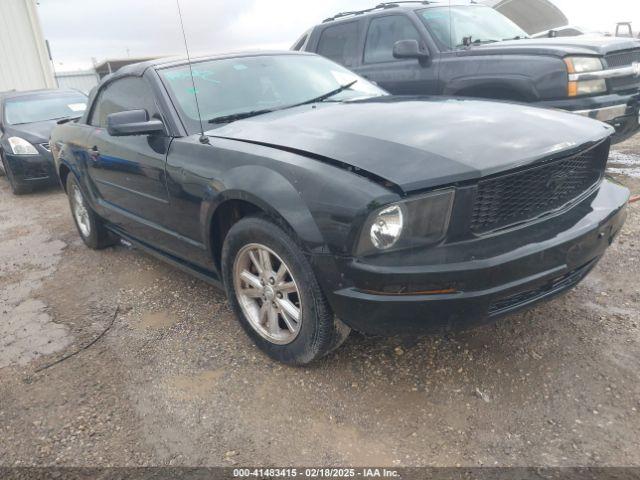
(491, 276)
(33, 169)
(621, 111)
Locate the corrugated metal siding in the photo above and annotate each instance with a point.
(24, 63)
(83, 81)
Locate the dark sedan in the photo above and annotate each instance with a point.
(321, 204)
(26, 121)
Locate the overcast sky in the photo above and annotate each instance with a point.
(79, 30)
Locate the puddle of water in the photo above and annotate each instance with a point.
(624, 164)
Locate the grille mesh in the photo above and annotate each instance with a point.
(37, 171)
(520, 196)
(555, 286)
(622, 59)
(624, 83)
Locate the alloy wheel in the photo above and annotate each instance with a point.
(268, 294)
(80, 212)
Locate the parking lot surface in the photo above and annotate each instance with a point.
(175, 381)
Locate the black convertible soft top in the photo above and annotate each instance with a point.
(138, 69)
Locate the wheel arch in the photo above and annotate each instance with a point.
(515, 89)
(63, 172)
(267, 194)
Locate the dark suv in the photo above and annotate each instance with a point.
(417, 48)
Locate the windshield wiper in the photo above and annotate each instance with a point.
(467, 42)
(517, 37)
(254, 113)
(330, 94)
(63, 120)
(239, 116)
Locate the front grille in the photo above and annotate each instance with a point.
(37, 171)
(623, 58)
(624, 83)
(46, 146)
(554, 287)
(527, 194)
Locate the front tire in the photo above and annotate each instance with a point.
(274, 293)
(89, 225)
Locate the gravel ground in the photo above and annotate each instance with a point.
(175, 381)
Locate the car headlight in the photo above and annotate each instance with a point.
(19, 146)
(583, 64)
(587, 87)
(411, 223)
(578, 65)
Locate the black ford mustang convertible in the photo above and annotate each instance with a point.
(321, 204)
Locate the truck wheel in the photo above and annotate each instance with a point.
(16, 187)
(89, 225)
(274, 293)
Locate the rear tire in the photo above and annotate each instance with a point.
(274, 293)
(16, 187)
(90, 227)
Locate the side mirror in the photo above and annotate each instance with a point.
(409, 49)
(133, 122)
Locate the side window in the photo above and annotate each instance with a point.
(96, 114)
(439, 23)
(340, 43)
(383, 33)
(131, 93)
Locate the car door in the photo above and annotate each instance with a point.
(128, 172)
(397, 76)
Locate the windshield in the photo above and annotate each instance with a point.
(233, 86)
(450, 26)
(43, 107)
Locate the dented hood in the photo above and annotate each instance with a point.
(419, 143)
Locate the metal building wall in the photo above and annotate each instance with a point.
(83, 80)
(24, 62)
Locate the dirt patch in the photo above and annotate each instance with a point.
(28, 256)
(188, 387)
(627, 164)
(156, 320)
